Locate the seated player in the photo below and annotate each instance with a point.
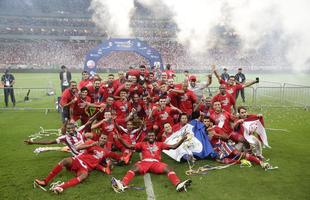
(151, 162)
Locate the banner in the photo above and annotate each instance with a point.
(121, 44)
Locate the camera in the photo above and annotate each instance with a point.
(257, 79)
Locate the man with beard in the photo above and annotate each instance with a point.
(150, 162)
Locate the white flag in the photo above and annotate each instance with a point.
(255, 126)
(190, 146)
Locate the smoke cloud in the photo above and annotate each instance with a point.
(280, 27)
(113, 16)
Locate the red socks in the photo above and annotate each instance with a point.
(173, 178)
(252, 158)
(128, 177)
(70, 183)
(53, 173)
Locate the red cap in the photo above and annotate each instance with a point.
(192, 78)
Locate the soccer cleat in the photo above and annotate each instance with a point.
(117, 185)
(39, 184)
(57, 189)
(265, 165)
(184, 185)
(38, 150)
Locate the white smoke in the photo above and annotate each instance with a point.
(113, 16)
(254, 22)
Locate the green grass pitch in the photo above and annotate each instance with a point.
(19, 166)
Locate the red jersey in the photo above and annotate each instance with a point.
(92, 156)
(151, 151)
(163, 116)
(186, 102)
(107, 90)
(170, 73)
(107, 127)
(222, 120)
(205, 109)
(232, 89)
(177, 127)
(78, 108)
(95, 94)
(67, 96)
(84, 83)
(121, 108)
(226, 101)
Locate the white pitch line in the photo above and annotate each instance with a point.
(149, 187)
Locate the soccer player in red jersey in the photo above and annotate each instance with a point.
(227, 101)
(183, 120)
(68, 97)
(95, 92)
(78, 108)
(170, 73)
(163, 114)
(231, 86)
(167, 132)
(120, 81)
(188, 100)
(126, 86)
(85, 82)
(107, 127)
(122, 107)
(223, 121)
(227, 153)
(204, 106)
(151, 162)
(81, 164)
(109, 87)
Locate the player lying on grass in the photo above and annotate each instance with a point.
(227, 153)
(71, 138)
(150, 162)
(81, 164)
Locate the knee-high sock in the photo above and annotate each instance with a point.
(251, 158)
(173, 178)
(53, 173)
(71, 182)
(128, 177)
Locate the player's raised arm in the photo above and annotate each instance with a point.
(248, 84)
(217, 75)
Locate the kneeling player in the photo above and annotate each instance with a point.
(151, 162)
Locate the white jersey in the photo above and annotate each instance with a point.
(198, 89)
(72, 141)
